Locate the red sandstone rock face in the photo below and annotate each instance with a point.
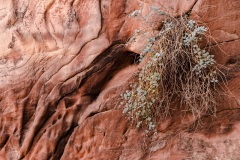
(63, 64)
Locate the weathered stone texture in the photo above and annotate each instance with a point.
(63, 64)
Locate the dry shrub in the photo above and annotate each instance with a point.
(175, 68)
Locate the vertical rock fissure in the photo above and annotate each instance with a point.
(61, 144)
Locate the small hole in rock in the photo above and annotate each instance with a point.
(231, 61)
(59, 116)
(53, 122)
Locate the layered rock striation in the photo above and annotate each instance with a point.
(63, 64)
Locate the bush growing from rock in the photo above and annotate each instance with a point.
(175, 68)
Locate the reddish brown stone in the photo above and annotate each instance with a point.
(64, 63)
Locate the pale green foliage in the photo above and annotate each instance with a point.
(175, 67)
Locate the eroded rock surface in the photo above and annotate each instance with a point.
(63, 64)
